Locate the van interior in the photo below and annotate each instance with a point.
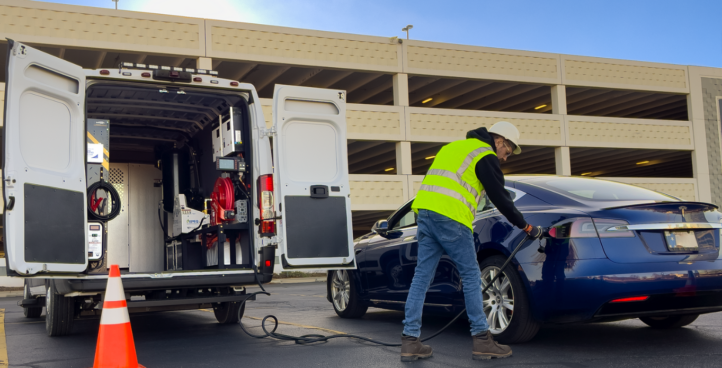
(163, 145)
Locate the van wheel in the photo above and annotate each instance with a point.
(506, 304)
(30, 312)
(675, 321)
(229, 312)
(59, 312)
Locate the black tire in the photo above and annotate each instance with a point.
(59, 312)
(30, 312)
(675, 321)
(522, 327)
(228, 312)
(337, 284)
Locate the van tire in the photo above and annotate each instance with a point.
(30, 312)
(228, 312)
(59, 312)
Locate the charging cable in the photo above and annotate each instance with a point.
(313, 338)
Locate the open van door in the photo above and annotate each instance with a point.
(311, 178)
(44, 164)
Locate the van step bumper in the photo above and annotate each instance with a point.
(150, 283)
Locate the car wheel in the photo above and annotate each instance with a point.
(229, 312)
(344, 296)
(676, 321)
(59, 312)
(506, 303)
(30, 312)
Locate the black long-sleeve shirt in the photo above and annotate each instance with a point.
(489, 173)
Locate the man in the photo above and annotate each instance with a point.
(446, 205)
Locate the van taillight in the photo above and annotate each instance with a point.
(585, 227)
(265, 205)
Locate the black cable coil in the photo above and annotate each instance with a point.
(114, 198)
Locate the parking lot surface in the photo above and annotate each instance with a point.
(194, 339)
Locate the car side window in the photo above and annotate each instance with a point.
(486, 205)
(407, 220)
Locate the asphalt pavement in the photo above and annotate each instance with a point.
(194, 339)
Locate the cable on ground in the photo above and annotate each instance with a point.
(314, 338)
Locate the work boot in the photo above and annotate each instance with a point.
(486, 348)
(412, 349)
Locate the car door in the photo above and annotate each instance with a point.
(44, 152)
(311, 181)
(390, 277)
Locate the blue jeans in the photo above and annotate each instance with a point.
(438, 234)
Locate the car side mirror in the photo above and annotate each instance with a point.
(381, 227)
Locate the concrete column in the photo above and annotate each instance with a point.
(563, 161)
(700, 155)
(401, 89)
(559, 99)
(403, 158)
(204, 63)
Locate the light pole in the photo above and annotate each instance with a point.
(116, 4)
(405, 29)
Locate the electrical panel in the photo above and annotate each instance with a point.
(231, 134)
(95, 240)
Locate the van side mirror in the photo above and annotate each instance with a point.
(381, 227)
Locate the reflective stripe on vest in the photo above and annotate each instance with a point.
(456, 177)
(448, 192)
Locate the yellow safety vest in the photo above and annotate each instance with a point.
(451, 187)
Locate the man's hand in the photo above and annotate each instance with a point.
(534, 232)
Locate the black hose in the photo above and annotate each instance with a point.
(312, 338)
(114, 198)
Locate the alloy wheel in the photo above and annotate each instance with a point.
(340, 289)
(498, 300)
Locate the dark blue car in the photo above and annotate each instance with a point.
(616, 252)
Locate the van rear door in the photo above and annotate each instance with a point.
(311, 178)
(44, 164)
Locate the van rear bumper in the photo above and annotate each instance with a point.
(66, 286)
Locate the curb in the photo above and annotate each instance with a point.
(298, 280)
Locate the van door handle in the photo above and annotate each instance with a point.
(11, 203)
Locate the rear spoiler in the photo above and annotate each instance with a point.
(632, 204)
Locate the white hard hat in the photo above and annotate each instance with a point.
(508, 131)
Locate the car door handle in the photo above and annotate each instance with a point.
(409, 238)
(11, 203)
(358, 251)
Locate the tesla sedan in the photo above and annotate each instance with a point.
(614, 251)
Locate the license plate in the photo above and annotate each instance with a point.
(681, 241)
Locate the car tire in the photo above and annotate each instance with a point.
(675, 321)
(521, 326)
(30, 312)
(344, 296)
(229, 312)
(59, 312)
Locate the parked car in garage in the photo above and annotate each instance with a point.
(615, 251)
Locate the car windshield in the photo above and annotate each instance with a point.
(600, 190)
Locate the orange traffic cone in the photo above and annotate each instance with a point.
(115, 348)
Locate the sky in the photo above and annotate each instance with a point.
(687, 32)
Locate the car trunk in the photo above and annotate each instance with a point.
(151, 126)
(661, 232)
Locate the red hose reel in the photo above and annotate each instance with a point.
(222, 202)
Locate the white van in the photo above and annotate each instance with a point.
(165, 152)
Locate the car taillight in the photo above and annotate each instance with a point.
(265, 205)
(631, 299)
(586, 227)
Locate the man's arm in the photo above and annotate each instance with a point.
(489, 173)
